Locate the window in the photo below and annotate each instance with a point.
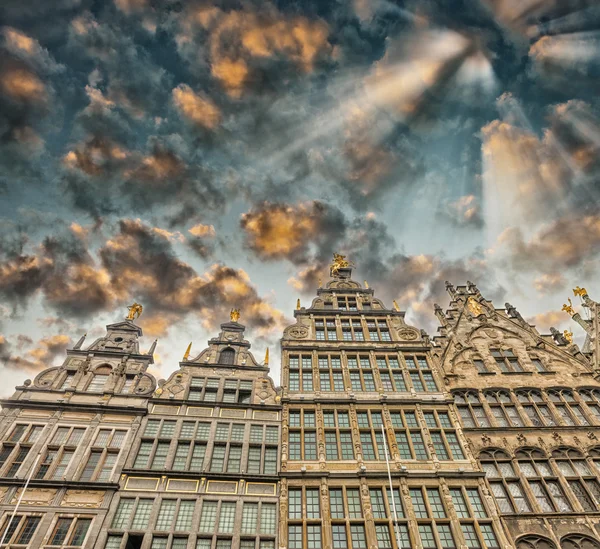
(480, 365)
(371, 437)
(539, 365)
(69, 531)
(239, 391)
(99, 380)
(504, 411)
(338, 436)
(352, 329)
(330, 373)
(506, 360)
(113, 542)
(16, 448)
(591, 397)
(303, 440)
(568, 409)
(420, 374)
(203, 389)
(103, 455)
(325, 329)
(361, 373)
(346, 303)
(409, 438)
(63, 444)
(580, 478)
(68, 379)
(391, 374)
(378, 329)
(471, 410)
(301, 375)
(443, 436)
(227, 356)
(504, 482)
(20, 530)
(535, 408)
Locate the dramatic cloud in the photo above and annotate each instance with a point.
(38, 358)
(549, 283)
(195, 108)
(463, 212)
(278, 231)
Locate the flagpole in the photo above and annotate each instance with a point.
(387, 462)
(20, 498)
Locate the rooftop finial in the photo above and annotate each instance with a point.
(568, 336)
(579, 291)
(366, 285)
(568, 308)
(339, 262)
(267, 357)
(186, 355)
(234, 315)
(135, 311)
(396, 306)
(298, 304)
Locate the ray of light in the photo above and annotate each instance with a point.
(569, 23)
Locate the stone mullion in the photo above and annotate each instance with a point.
(320, 437)
(314, 370)
(355, 434)
(371, 533)
(284, 436)
(375, 370)
(427, 436)
(462, 437)
(413, 525)
(283, 513)
(345, 370)
(494, 515)
(391, 435)
(325, 515)
(455, 521)
(285, 373)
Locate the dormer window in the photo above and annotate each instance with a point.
(480, 365)
(539, 365)
(227, 356)
(506, 360)
(99, 380)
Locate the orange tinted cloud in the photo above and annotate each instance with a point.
(195, 108)
(276, 231)
(23, 85)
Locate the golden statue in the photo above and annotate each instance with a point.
(339, 262)
(579, 291)
(568, 336)
(568, 308)
(234, 315)
(135, 311)
(186, 355)
(474, 306)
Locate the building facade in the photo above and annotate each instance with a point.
(529, 406)
(70, 431)
(357, 381)
(202, 474)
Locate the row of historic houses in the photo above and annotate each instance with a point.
(485, 436)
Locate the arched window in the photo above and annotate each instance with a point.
(503, 410)
(591, 397)
(568, 409)
(578, 541)
(227, 356)
(504, 482)
(470, 409)
(536, 409)
(535, 542)
(543, 481)
(579, 476)
(99, 380)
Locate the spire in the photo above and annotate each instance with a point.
(450, 289)
(152, 347)
(440, 314)
(186, 355)
(80, 342)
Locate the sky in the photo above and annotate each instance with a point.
(199, 156)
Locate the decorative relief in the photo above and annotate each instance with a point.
(408, 334)
(84, 499)
(36, 496)
(298, 332)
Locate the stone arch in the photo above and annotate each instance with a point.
(103, 369)
(532, 541)
(578, 541)
(493, 453)
(227, 356)
(530, 452)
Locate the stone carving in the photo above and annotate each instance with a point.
(408, 334)
(298, 332)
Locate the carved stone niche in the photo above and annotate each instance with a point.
(82, 499)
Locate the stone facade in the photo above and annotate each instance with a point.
(351, 366)
(530, 408)
(71, 429)
(118, 463)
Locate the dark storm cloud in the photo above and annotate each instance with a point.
(35, 359)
